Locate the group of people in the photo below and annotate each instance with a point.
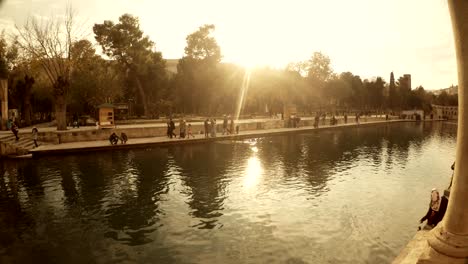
(15, 130)
(228, 126)
(185, 130)
(294, 121)
(114, 139)
(333, 119)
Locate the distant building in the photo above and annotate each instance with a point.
(390, 86)
(171, 65)
(447, 112)
(392, 80)
(404, 83)
(452, 90)
(407, 82)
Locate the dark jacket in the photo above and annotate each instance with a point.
(439, 215)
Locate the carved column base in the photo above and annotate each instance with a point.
(445, 247)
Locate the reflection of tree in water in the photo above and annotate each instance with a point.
(13, 219)
(203, 169)
(318, 155)
(138, 208)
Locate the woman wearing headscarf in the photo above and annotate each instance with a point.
(437, 208)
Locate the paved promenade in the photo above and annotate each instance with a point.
(100, 145)
(27, 130)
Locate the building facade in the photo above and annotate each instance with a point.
(446, 112)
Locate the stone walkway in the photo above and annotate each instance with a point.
(27, 130)
(164, 141)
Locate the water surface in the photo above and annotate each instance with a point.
(350, 195)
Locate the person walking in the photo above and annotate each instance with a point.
(225, 125)
(14, 129)
(35, 132)
(345, 118)
(172, 128)
(231, 127)
(207, 128)
(168, 133)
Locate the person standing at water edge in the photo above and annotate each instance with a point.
(172, 128)
(182, 129)
(213, 127)
(34, 135)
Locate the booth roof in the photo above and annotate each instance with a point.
(106, 105)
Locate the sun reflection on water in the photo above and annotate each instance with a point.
(253, 172)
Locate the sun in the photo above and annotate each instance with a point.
(249, 60)
(253, 57)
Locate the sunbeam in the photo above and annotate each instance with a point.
(243, 92)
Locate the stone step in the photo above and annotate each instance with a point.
(7, 138)
(27, 146)
(19, 142)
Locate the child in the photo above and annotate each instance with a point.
(34, 134)
(189, 131)
(14, 129)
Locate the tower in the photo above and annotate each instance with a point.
(392, 80)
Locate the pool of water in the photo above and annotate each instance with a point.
(350, 195)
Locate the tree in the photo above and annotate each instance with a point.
(197, 71)
(319, 72)
(201, 46)
(375, 93)
(49, 43)
(8, 56)
(94, 79)
(403, 91)
(135, 54)
(24, 89)
(319, 67)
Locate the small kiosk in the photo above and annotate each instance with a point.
(106, 116)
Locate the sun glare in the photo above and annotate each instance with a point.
(253, 172)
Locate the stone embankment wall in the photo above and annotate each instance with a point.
(58, 137)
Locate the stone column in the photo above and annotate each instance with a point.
(448, 242)
(4, 106)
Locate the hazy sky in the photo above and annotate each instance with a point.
(367, 37)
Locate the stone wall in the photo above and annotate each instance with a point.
(57, 137)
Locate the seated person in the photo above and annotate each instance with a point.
(113, 139)
(123, 138)
(437, 208)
